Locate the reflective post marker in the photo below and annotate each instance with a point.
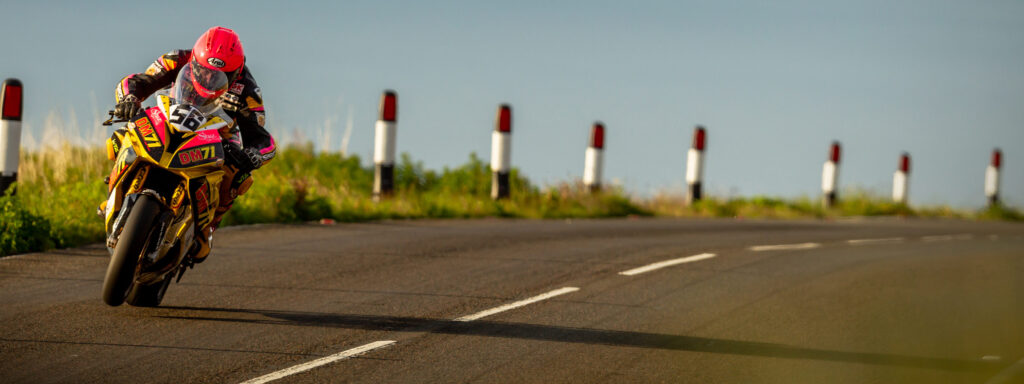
(900, 180)
(10, 132)
(830, 176)
(695, 166)
(594, 158)
(501, 140)
(992, 178)
(384, 146)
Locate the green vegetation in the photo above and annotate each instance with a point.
(852, 203)
(60, 188)
(302, 186)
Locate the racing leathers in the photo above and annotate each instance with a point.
(243, 102)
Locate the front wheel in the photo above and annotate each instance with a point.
(130, 245)
(149, 295)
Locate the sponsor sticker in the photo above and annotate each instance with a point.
(216, 62)
(237, 88)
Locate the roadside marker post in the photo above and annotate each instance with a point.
(501, 140)
(594, 158)
(830, 176)
(992, 178)
(900, 180)
(384, 146)
(10, 132)
(695, 166)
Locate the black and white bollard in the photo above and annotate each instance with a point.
(830, 176)
(501, 140)
(384, 146)
(900, 180)
(992, 178)
(10, 132)
(594, 161)
(695, 166)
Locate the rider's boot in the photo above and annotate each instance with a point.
(233, 185)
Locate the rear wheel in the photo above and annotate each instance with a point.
(130, 245)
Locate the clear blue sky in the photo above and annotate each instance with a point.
(774, 81)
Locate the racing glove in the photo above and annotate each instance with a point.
(230, 102)
(128, 107)
(245, 159)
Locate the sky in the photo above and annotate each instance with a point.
(774, 82)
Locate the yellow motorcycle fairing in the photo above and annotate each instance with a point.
(183, 169)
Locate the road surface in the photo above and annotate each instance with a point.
(623, 300)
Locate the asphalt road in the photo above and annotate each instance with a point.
(906, 301)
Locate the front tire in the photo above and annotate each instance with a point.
(130, 245)
(149, 295)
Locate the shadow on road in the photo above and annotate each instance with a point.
(583, 336)
(152, 346)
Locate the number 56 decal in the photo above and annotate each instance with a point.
(186, 117)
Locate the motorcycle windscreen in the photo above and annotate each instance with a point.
(199, 86)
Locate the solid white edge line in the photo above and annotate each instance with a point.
(1009, 374)
(321, 361)
(520, 303)
(15, 257)
(875, 241)
(937, 238)
(667, 263)
(783, 247)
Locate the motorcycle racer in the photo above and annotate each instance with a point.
(247, 142)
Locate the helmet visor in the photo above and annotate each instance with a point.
(198, 85)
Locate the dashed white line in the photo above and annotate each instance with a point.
(875, 241)
(520, 303)
(962, 236)
(783, 247)
(667, 263)
(321, 361)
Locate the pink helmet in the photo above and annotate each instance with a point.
(217, 60)
(219, 49)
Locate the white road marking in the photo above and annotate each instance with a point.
(875, 241)
(991, 358)
(783, 247)
(1011, 374)
(962, 236)
(667, 263)
(520, 303)
(321, 361)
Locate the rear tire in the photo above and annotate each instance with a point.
(130, 245)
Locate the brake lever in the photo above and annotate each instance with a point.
(111, 120)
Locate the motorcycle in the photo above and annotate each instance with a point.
(163, 189)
